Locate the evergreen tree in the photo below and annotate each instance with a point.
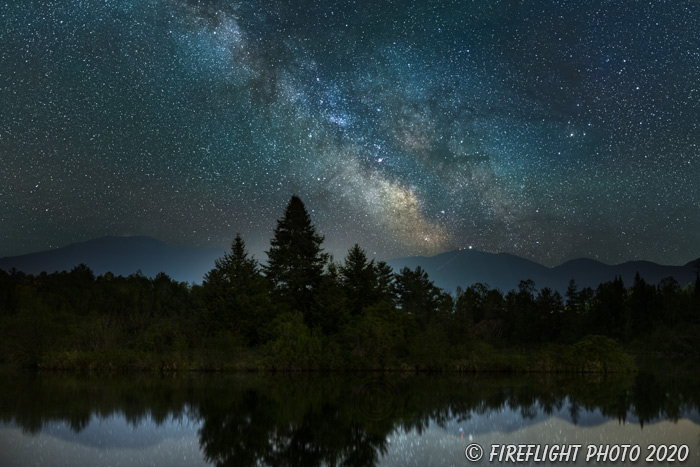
(235, 294)
(359, 280)
(572, 296)
(418, 296)
(296, 260)
(330, 311)
(670, 300)
(609, 314)
(385, 282)
(642, 309)
(470, 302)
(523, 311)
(549, 305)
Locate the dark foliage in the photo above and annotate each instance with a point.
(295, 260)
(302, 311)
(235, 296)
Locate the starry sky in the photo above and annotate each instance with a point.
(547, 129)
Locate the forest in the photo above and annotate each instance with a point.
(304, 311)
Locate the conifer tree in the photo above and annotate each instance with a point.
(572, 296)
(417, 295)
(359, 279)
(330, 308)
(385, 282)
(235, 293)
(295, 259)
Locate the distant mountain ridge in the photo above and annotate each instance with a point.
(126, 255)
(121, 256)
(504, 271)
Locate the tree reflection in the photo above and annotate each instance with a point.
(279, 427)
(344, 420)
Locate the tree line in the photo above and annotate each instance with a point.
(303, 310)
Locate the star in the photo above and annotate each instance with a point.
(192, 121)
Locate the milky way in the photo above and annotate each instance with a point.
(548, 129)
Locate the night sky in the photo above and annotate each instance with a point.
(548, 129)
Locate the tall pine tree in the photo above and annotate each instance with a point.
(235, 294)
(296, 259)
(418, 296)
(359, 280)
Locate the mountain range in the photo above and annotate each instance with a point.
(121, 256)
(461, 268)
(126, 255)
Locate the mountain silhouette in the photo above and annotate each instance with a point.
(126, 255)
(121, 256)
(504, 271)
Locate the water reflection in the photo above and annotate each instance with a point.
(330, 419)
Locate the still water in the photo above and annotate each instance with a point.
(366, 419)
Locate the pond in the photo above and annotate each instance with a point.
(348, 419)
